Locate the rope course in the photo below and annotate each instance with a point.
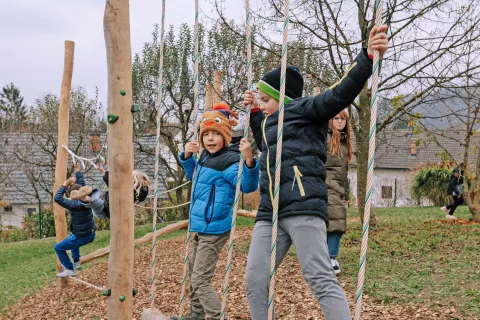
(163, 208)
(276, 194)
(82, 160)
(87, 284)
(371, 160)
(242, 161)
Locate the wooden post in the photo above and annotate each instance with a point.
(208, 97)
(217, 85)
(116, 26)
(62, 154)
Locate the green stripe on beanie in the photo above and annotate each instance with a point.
(271, 91)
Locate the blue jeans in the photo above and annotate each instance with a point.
(333, 241)
(72, 243)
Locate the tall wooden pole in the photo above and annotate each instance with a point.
(62, 155)
(120, 154)
(217, 85)
(208, 97)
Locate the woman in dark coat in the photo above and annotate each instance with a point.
(339, 148)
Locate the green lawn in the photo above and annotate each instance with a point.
(412, 258)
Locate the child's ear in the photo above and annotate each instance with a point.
(232, 122)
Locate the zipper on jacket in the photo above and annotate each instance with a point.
(298, 176)
(208, 220)
(268, 161)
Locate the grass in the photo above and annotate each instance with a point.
(412, 257)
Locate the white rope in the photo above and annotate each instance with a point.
(167, 191)
(88, 284)
(163, 208)
(89, 160)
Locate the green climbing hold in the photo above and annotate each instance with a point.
(121, 298)
(123, 92)
(111, 118)
(106, 292)
(135, 108)
(135, 291)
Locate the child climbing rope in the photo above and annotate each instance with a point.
(212, 199)
(141, 187)
(339, 153)
(82, 225)
(303, 216)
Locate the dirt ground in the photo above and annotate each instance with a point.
(293, 297)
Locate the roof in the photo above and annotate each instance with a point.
(394, 148)
(41, 152)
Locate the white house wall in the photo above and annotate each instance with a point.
(398, 180)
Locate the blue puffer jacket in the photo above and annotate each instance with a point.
(214, 189)
(82, 223)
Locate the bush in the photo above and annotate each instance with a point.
(12, 234)
(431, 182)
(43, 220)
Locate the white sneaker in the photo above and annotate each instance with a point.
(66, 273)
(450, 217)
(335, 266)
(77, 265)
(444, 209)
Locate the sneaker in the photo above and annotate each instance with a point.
(77, 265)
(66, 273)
(335, 266)
(450, 217)
(444, 209)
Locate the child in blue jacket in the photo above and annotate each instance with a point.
(82, 224)
(211, 206)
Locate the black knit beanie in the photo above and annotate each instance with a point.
(270, 84)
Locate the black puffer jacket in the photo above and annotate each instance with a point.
(337, 185)
(302, 183)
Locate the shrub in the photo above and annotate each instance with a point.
(431, 182)
(12, 234)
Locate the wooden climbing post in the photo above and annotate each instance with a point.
(217, 87)
(62, 154)
(116, 25)
(208, 97)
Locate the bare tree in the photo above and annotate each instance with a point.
(424, 36)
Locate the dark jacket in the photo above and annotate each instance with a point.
(337, 185)
(137, 196)
(302, 183)
(454, 184)
(82, 223)
(214, 189)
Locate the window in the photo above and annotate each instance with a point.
(31, 211)
(8, 209)
(387, 192)
(413, 149)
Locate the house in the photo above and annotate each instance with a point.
(27, 185)
(398, 153)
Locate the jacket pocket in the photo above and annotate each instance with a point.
(298, 177)
(211, 201)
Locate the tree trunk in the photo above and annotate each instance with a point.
(62, 155)
(120, 154)
(361, 138)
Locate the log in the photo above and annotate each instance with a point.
(217, 85)
(62, 154)
(159, 233)
(208, 97)
(116, 24)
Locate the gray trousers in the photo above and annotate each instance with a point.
(204, 298)
(308, 235)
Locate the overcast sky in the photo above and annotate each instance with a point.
(34, 31)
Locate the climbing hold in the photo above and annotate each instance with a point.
(123, 92)
(135, 291)
(121, 298)
(135, 108)
(111, 118)
(106, 292)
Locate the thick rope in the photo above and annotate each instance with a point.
(195, 130)
(371, 159)
(76, 158)
(164, 208)
(242, 161)
(157, 151)
(278, 162)
(170, 190)
(87, 284)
